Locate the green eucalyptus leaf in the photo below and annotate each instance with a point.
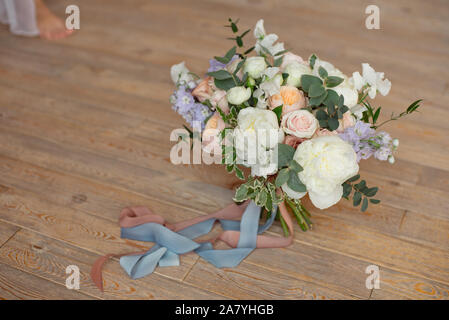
(322, 72)
(307, 80)
(225, 84)
(282, 177)
(333, 124)
(294, 183)
(354, 178)
(316, 90)
(323, 123)
(285, 154)
(333, 81)
(357, 198)
(364, 204)
(331, 98)
(295, 166)
(312, 60)
(371, 192)
(220, 74)
(316, 101)
(321, 115)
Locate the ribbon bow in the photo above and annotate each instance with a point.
(139, 223)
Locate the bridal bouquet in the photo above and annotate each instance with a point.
(301, 126)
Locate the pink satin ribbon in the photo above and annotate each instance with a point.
(134, 216)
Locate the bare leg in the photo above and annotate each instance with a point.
(50, 26)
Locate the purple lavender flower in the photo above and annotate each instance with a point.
(383, 153)
(215, 65)
(184, 104)
(366, 142)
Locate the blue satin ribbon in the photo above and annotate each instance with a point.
(169, 244)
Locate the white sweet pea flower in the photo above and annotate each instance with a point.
(180, 74)
(267, 42)
(262, 102)
(357, 111)
(374, 80)
(328, 161)
(272, 82)
(238, 95)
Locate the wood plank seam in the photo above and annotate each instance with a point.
(19, 228)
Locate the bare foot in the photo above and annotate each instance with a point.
(50, 26)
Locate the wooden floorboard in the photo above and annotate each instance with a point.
(84, 132)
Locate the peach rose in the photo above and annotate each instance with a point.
(218, 99)
(203, 90)
(347, 121)
(290, 97)
(299, 123)
(325, 132)
(293, 141)
(211, 139)
(289, 58)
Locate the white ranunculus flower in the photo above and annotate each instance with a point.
(295, 70)
(374, 80)
(238, 95)
(292, 193)
(256, 136)
(255, 67)
(328, 161)
(180, 74)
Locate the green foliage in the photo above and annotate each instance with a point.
(312, 60)
(411, 108)
(289, 169)
(260, 190)
(237, 38)
(361, 192)
(371, 114)
(329, 105)
(285, 154)
(278, 112)
(300, 213)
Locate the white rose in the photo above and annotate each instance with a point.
(328, 161)
(256, 135)
(255, 67)
(238, 95)
(295, 70)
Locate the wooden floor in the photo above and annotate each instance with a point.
(84, 132)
